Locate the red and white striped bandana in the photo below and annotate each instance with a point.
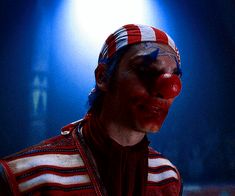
(133, 34)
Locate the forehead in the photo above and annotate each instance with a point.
(147, 48)
(166, 56)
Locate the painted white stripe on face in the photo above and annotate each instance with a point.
(51, 178)
(162, 176)
(60, 160)
(147, 33)
(159, 162)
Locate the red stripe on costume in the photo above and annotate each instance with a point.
(86, 192)
(44, 152)
(161, 37)
(135, 35)
(161, 169)
(111, 43)
(153, 153)
(11, 178)
(60, 186)
(162, 182)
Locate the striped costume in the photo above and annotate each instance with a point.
(63, 165)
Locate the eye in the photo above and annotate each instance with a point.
(146, 71)
(141, 67)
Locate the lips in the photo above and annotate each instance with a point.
(158, 104)
(150, 113)
(155, 107)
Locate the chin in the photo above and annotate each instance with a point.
(153, 128)
(149, 127)
(148, 122)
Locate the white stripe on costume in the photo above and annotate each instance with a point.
(147, 33)
(52, 178)
(156, 162)
(60, 160)
(162, 176)
(171, 42)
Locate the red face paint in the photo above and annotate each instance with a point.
(143, 91)
(168, 85)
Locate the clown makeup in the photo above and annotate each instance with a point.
(152, 60)
(144, 88)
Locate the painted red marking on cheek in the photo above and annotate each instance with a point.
(168, 85)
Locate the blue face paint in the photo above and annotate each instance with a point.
(150, 58)
(179, 70)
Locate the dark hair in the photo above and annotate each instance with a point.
(95, 98)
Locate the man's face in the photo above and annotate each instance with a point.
(133, 98)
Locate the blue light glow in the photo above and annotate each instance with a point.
(81, 28)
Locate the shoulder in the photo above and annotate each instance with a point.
(57, 144)
(161, 172)
(157, 159)
(54, 161)
(60, 144)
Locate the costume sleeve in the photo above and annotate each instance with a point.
(5, 188)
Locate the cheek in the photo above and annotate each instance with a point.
(133, 88)
(129, 95)
(135, 103)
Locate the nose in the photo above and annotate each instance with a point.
(168, 86)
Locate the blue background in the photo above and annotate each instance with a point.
(199, 133)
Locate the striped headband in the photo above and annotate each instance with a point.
(133, 34)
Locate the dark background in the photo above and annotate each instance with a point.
(199, 133)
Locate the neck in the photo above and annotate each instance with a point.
(121, 134)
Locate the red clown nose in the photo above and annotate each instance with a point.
(168, 85)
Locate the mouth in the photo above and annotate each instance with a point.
(151, 106)
(151, 113)
(155, 109)
(157, 105)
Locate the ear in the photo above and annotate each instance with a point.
(101, 77)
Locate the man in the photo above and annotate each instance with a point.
(107, 153)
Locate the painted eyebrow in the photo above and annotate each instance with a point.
(148, 58)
